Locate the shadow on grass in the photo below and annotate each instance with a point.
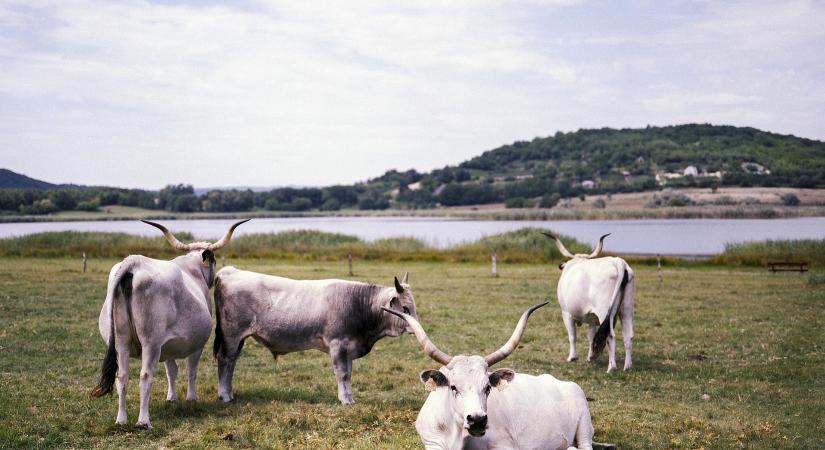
(262, 395)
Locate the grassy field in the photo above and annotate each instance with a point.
(757, 384)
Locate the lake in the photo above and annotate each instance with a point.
(651, 236)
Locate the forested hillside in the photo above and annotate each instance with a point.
(523, 174)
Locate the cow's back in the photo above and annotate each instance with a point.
(535, 412)
(586, 287)
(286, 315)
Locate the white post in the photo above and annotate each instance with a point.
(495, 274)
(84, 262)
(223, 260)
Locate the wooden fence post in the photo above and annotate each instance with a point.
(494, 274)
(84, 262)
(659, 268)
(349, 262)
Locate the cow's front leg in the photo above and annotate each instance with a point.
(150, 358)
(571, 335)
(342, 366)
(192, 374)
(171, 377)
(611, 351)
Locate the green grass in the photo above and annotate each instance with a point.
(763, 335)
(523, 245)
(811, 251)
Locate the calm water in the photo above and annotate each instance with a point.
(678, 237)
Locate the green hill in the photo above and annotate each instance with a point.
(609, 160)
(521, 174)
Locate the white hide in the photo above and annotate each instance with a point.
(531, 412)
(170, 319)
(590, 291)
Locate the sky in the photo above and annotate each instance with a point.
(312, 93)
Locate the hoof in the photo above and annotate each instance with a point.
(226, 400)
(573, 359)
(143, 426)
(171, 400)
(120, 423)
(348, 402)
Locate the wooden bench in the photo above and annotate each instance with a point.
(787, 266)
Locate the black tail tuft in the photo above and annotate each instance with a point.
(108, 370)
(600, 340)
(218, 345)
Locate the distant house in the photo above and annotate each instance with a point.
(754, 168)
(414, 186)
(588, 184)
(691, 171)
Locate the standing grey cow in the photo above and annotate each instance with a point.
(157, 311)
(463, 411)
(596, 292)
(340, 318)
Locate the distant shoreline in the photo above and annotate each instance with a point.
(686, 212)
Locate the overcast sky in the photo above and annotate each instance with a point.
(144, 94)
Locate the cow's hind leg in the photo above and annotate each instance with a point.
(226, 367)
(591, 334)
(342, 366)
(192, 374)
(121, 383)
(626, 316)
(571, 335)
(150, 358)
(171, 377)
(611, 351)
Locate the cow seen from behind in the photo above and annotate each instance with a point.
(596, 292)
(157, 311)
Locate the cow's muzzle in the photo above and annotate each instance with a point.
(476, 425)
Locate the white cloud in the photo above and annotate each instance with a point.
(303, 93)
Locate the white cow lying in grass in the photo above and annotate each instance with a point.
(463, 411)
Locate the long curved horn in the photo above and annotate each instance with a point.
(429, 348)
(511, 345)
(169, 236)
(559, 245)
(599, 246)
(226, 237)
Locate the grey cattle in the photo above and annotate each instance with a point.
(157, 311)
(464, 411)
(340, 318)
(597, 292)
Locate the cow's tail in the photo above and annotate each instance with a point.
(606, 327)
(120, 290)
(218, 347)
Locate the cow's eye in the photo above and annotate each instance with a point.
(406, 310)
(454, 389)
(487, 390)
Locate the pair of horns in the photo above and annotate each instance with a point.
(188, 247)
(567, 253)
(433, 352)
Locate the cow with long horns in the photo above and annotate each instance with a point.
(157, 311)
(470, 407)
(596, 292)
(340, 318)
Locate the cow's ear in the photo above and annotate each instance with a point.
(501, 378)
(433, 379)
(398, 287)
(208, 258)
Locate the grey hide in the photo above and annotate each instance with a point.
(338, 317)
